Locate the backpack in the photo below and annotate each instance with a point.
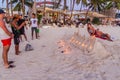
(28, 47)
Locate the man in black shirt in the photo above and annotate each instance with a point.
(22, 30)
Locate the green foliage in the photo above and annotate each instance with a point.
(87, 20)
(96, 21)
(18, 4)
(96, 5)
(81, 1)
(113, 3)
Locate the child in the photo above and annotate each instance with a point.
(34, 25)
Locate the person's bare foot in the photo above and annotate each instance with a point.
(17, 53)
(9, 66)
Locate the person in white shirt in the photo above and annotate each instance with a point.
(34, 25)
(5, 36)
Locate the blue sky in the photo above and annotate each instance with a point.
(1, 4)
(77, 7)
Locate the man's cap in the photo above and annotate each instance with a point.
(2, 11)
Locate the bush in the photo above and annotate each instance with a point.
(85, 21)
(96, 21)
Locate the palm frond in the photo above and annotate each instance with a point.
(13, 2)
(17, 7)
(78, 2)
(29, 4)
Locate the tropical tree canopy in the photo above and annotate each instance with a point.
(18, 4)
(82, 1)
(113, 3)
(57, 3)
(96, 5)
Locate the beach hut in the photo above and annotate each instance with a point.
(95, 14)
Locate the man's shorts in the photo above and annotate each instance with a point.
(16, 40)
(22, 31)
(6, 42)
(34, 29)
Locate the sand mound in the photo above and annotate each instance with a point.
(48, 61)
(99, 51)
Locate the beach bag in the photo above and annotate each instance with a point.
(28, 47)
(37, 30)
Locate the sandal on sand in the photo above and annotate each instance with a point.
(10, 62)
(10, 66)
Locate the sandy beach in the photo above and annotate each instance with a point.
(48, 61)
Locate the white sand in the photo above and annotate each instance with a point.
(46, 62)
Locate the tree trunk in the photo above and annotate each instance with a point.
(71, 5)
(44, 7)
(59, 1)
(81, 6)
(54, 4)
(65, 5)
(64, 8)
(87, 14)
(23, 7)
(7, 8)
(11, 7)
(72, 9)
(34, 7)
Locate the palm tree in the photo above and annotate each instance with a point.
(111, 6)
(64, 8)
(113, 3)
(70, 5)
(58, 4)
(7, 7)
(23, 6)
(95, 5)
(20, 5)
(44, 7)
(72, 8)
(81, 2)
(44, 4)
(65, 5)
(11, 7)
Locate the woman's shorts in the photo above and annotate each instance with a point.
(6, 42)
